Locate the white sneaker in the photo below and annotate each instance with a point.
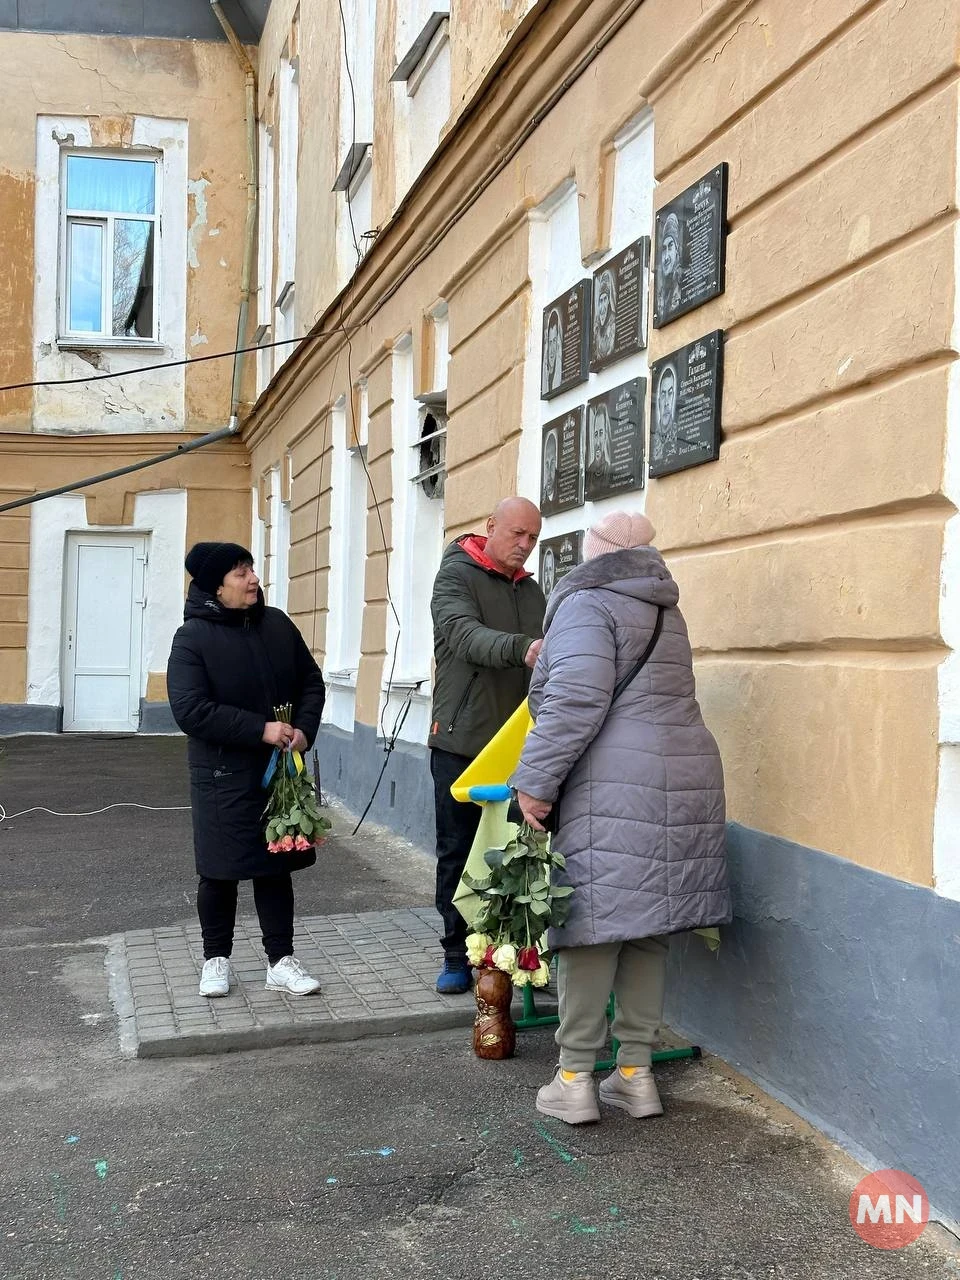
(636, 1094)
(574, 1101)
(215, 978)
(289, 974)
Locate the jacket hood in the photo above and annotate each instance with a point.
(200, 604)
(639, 573)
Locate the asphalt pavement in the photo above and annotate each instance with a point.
(400, 1155)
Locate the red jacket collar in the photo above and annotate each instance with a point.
(473, 544)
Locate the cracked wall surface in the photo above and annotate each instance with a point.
(185, 97)
(182, 100)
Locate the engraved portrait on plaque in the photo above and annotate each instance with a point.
(685, 413)
(690, 248)
(620, 306)
(561, 467)
(565, 341)
(615, 440)
(557, 557)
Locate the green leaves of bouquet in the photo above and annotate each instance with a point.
(520, 902)
(293, 814)
(294, 819)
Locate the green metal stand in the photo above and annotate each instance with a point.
(530, 1018)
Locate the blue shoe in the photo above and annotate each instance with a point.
(454, 978)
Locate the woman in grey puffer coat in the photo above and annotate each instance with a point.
(641, 817)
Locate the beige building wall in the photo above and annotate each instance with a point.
(809, 555)
(216, 479)
(110, 83)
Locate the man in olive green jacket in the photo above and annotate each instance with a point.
(487, 627)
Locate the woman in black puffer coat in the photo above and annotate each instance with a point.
(232, 662)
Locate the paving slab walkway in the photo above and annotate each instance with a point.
(376, 969)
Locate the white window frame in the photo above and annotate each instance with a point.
(265, 250)
(418, 537)
(289, 158)
(100, 218)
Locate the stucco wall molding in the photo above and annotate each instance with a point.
(523, 86)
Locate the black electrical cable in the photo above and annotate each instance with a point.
(199, 443)
(353, 130)
(175, 364)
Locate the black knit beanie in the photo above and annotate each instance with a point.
(208, 563)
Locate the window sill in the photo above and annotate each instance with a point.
(417, 688)
(110, 344)
(342, 679)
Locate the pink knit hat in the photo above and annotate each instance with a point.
(619, 531)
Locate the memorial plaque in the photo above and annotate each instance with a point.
(615, 440)
(690, 248)
(565, 341)
(561, 463)
(557, 557)
(685, 414)
(620, 306)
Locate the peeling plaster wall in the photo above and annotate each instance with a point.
(148, 401)
(181, 96)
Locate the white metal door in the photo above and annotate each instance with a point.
(103, 631)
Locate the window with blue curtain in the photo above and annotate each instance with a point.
(110, 228)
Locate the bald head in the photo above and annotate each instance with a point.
(512, 533)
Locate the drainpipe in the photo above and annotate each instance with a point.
(250, 87)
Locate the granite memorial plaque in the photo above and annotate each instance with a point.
(561, 463)
(615, 440)
(685, 413)
(620, 306)
(565, 341)
(690, 248)
(557, 557)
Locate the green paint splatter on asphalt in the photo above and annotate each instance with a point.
(60, 1198)
(581, 1229)
(551, 1141)
(101, 1168)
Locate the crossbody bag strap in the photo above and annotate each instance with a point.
(657, 628)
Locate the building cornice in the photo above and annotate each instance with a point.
(529, 78)
(128, 444)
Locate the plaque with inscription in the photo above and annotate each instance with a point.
(615, 440)
(685, 415)
(557, 557)
(561, 463)
(619, 325)
(565, 341)
(690, 248)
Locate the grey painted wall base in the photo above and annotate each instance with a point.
(156, 717)
(349, 766)
(25, 717)
(838, 989)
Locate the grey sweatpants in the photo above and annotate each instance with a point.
(634, 971)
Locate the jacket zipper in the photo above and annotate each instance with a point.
(462, 703)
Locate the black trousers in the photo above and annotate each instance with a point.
(217, 909)
(456, 827)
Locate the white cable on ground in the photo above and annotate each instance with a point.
(91, 813)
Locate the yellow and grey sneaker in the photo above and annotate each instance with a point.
(570, 1096)
(633, 1090)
